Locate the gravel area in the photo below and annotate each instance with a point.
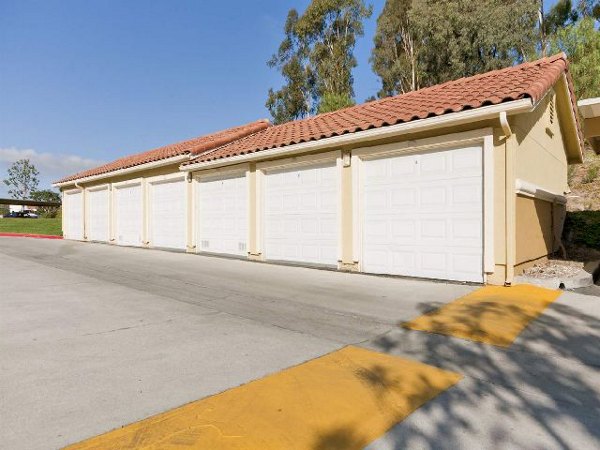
(554, 269)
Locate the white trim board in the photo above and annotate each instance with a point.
(128, 170)
(531, 190)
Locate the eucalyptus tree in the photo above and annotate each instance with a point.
(424, 42)
(316, 59)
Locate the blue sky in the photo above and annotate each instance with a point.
(83, 82)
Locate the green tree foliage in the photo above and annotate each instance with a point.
(581, 42)
(330, 28)
(47, 195)
(294, 99)
(588, 8)
(564, 13)
(332, 102)
(426, 42)
(316, 58)
(22, 179)
(395, 55)
(560, 15)
(571, 28)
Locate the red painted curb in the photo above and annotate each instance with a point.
(34, 236)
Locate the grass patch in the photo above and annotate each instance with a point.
(50, 227)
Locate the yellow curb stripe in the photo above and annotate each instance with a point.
(492, 315)
(340, 401)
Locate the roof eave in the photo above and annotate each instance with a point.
(126, 171)
(571, 133)
(442, 121)
(590, 110)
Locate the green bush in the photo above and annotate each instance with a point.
(48, 213)
(583, 228)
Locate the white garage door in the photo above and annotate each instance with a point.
(98, 213)
(423, 215)
(222, 208)
(74, 215)
(168, 215)
(128, 215)
(301, 214)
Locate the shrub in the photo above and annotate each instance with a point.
(583, 228)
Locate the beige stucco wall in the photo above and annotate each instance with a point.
(534, 229)
(541, 157)
(541, 160)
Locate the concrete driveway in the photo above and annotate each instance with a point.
(94, 337)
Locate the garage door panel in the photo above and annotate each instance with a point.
(222, 208)
(466, 229)
(128, 215)
(407, 197)
(434, 197)
(434, 164)
(168, 214)
(403, 260)
(400, 168)
(433, 229)
(300, 214)
(74, 216)
(465, 263)
(467, 194)
(427, 222)
(467, 162)
(98, 213)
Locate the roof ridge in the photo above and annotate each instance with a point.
(530, 79)
(207, 152)
(183, 147)
(522, 66)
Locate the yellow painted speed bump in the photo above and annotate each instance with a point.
(340, 401)
(493, 314)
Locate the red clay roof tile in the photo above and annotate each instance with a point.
(191, 146)
(529, 80)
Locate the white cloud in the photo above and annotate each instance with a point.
(51, 166)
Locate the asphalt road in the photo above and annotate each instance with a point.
(93, 337)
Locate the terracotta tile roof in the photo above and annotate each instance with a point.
(529, 80)
(191, 146)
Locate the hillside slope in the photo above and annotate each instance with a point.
(584, 180)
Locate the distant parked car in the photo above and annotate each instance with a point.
(21, 215)
(30, 214)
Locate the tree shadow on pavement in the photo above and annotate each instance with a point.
(542, 392)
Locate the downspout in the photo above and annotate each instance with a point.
(78, 186)
(509, 198)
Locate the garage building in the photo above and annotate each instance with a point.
(463, 181)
